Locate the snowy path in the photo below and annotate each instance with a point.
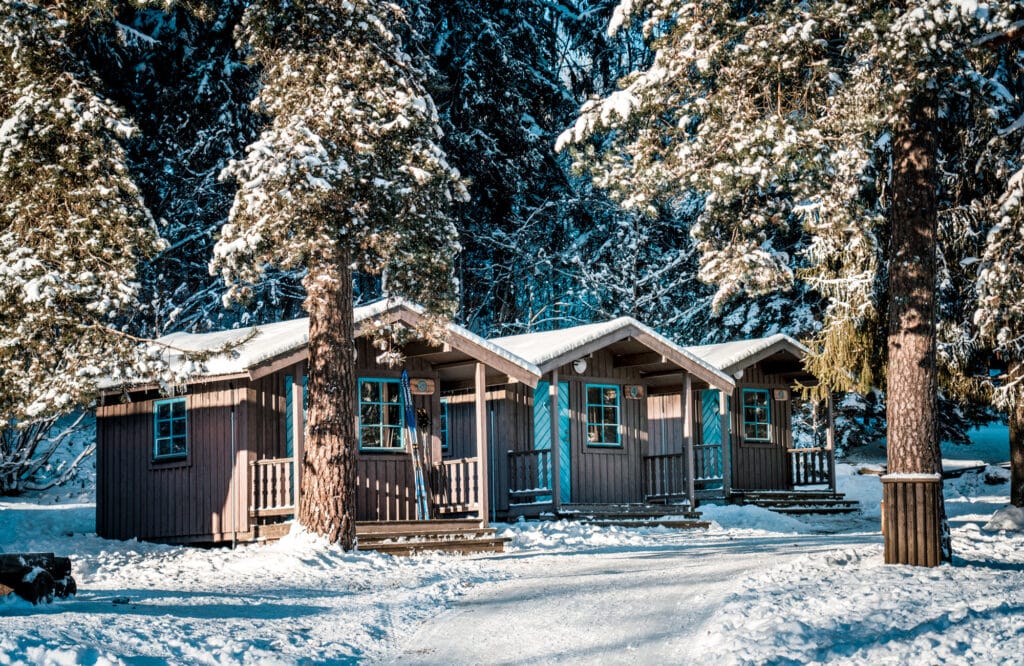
(647, 604)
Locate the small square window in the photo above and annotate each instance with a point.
(170, 429)
(756, 415)
(381, 414)
(602, 411)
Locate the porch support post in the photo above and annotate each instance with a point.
(480, 396)
(556, 444)
(830, 439)
(723, 411)
(298, 437)
(691, 466)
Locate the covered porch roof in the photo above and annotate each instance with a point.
(632, 344)
(780, 353)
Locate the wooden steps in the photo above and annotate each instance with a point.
(797, 502)
(687, 524)
(406, 537)
(632, 515)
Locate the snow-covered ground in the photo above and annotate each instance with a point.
(756, 587)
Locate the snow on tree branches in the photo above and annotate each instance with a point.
(73, 226)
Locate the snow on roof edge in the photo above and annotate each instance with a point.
(276, 339)
(566, 341)
(725, 355)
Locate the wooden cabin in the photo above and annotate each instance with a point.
(762, 454)
(584, 434)
(217, 461)
(642, 420)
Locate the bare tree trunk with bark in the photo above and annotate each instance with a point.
(1016, 414)
(327, 506)
(912, 382)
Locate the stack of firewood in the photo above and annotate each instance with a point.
(36, 577)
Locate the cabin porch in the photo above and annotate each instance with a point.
(455, 490)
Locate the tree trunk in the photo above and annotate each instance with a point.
(1017, 446)
(327, 506)
(912, 383)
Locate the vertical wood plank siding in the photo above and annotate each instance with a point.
(179, 500)
(385, 489)
(760, 465)
(598, 474)
(194, 500)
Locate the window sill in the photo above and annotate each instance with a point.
(170, 463)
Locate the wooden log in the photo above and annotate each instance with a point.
(913, 528)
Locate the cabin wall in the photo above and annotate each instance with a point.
(203, 498)
(510, 428)
(606, 474)
(762, 465)
(385, 488)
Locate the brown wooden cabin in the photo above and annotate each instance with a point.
(641, 421)
(762, 454)
(601, 380)
(216, 462)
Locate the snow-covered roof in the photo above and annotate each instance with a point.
(549, 349)
(539, 348)
(731, 356)
(257, 345)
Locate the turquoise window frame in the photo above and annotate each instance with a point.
(750, 410)
(177, 429)
(603, 426)
(443, 427)
(381, 426)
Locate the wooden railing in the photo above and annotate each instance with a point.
(665, 476)
(273, 492)
(707, 463)
(529, 474)
(456, 485)
(809, 466)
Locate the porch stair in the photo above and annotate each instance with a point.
(407, 537)
(632, 515)
(796, 502)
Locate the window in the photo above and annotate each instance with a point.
(444, 424)
(170, 432)
(756, 415)
(603, 415)
(380, 414)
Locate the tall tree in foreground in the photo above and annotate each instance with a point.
(347, 175)
(821, 114)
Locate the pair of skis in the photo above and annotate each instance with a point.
(415, 452)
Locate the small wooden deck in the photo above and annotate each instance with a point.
(796, 502)
(408, 537)
(630, 515)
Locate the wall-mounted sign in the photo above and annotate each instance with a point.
(421, 386)
(634, 391)
(580, 365)
(782, 395)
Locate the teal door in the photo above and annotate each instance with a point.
(708, 456)
(542, 434)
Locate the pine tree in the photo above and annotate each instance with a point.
(820, 114)
(347, 174)
(73, 226)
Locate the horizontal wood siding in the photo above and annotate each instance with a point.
(760, 465)
(191, 499)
